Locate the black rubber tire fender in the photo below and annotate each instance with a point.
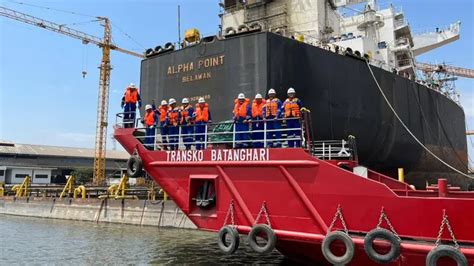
(380, 233)
(270, 235)
(134, 166)
(445, 251)
(228, 248)
(348, 243)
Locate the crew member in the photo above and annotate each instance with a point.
(130, 100)
(242, 115)
(162, 111)
(151, 120)
(272, 112)
(257, 121)
(292, 113)
(202, 116)
(173, 117)
(187, 116)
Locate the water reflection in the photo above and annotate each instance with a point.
(46, 241)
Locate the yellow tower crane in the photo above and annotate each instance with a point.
(105, 68)
(456, 71)
(452, 70)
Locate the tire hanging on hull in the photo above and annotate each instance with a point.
(348, 243)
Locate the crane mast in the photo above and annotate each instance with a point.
(102, 107)
(105, 70)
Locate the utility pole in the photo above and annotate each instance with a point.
(179, 26)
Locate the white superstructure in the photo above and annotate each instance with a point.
(383, 35)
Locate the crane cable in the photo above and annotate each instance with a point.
(128, 35)
(408, 130)
(53, 9)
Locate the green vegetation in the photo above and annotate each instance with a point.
(83, 175)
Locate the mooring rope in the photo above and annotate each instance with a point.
(408, 130)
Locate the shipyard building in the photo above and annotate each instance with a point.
(50, 164)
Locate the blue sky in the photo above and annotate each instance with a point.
(45, 100)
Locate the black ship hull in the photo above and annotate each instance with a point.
(339, 91)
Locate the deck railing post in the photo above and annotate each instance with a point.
(264, 133)
(324, 150)
(302, 133)
(154, 139)
(179, 136)
(233, 135)
(205, 136)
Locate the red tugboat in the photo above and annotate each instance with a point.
(313, 204)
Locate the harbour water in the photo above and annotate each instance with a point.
(25, 240)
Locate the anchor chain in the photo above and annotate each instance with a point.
(263, 210)
(230, 212)
(383, 216)
(338, 214)
(444, 222)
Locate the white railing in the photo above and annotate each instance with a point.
(334, 149)
(224, 134)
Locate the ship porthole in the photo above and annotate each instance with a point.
(445, 251)
(348, 243)
(384, 234)
(228, 239)
(262, 231)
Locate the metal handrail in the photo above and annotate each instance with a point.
(323, 149)
(178, 139)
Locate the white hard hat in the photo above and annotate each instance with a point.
(185, 100)
(291, 90)
(271, 91)
(148, 107)
(172, 100)
(241, 96)
(258, 96)
(131, 85)
(201, 100)
(164, 102)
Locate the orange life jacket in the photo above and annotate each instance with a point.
(271, 107)
(131, 96)
(185, 114)
(202, 114)
(292, 108)
(240, 110)
(163, 111)
(257, 109)
(150, 119)
(173, 115)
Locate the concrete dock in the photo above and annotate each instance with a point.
(124, 211)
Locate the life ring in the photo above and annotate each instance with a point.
(445, 251)
(223, 241)
(267, 232)
(134, 166)
(394, 252)
(348, 243)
